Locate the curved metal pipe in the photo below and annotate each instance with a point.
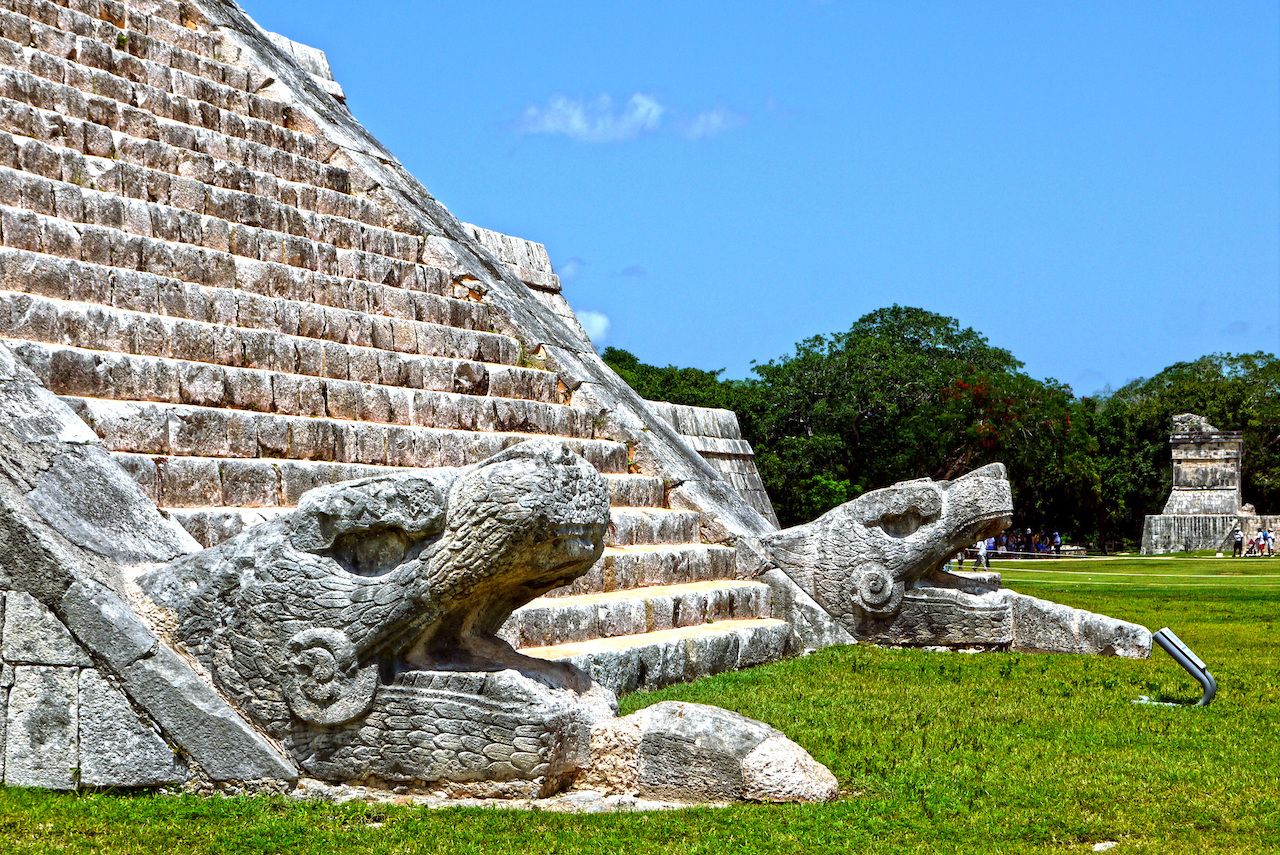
(1193, 665)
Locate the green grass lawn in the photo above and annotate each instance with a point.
(934, 751)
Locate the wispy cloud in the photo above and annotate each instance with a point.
(596, 324)
(633, 271)
(710, 123)
(595, 120)
(601, 120)
(570, 269)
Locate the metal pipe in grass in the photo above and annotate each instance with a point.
(1191, 663)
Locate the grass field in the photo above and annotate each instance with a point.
(934, 751)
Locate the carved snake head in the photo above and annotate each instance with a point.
(859, 558)
(368, 580)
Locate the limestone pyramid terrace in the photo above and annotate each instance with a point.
(246, 296)
(219, 293)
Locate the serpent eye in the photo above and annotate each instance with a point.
(375, 552)
(904, 524)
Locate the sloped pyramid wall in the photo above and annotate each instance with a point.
(89, 694)
(245, 296)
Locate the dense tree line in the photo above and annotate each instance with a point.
(907, 393)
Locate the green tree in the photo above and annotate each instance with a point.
(691, 386)
(907, 393)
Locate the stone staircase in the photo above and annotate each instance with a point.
(188, 263)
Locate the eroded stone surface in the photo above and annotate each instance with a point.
(32, 634)
(41, 744)
(695, 752)
(66, 603)
(778, 770)
(873, 565)
(935, 615)
(858, 560)
(117, 748)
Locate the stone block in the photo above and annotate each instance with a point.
(190, 482)
(222, 743)
(41, 745)
(92, 502)
(106, 623)
(34, 635)
(117, 747)
(202, 384)
(198, 432)
(6, 680)
(250, 483)
(700, 753)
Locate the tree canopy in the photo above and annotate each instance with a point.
(907, 393)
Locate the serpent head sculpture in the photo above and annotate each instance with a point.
(360, 628)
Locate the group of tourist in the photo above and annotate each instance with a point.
(1012, 544)
(1029, 544)
(1262, 543)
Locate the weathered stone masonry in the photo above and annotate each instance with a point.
(218, 293)
(246, 297)
(1205, 503)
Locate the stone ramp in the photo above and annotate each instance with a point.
(89, 694)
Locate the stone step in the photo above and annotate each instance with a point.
(632, 526)
(101, 374)
(48, 321)
(550, 621)
(222, 495)
(155, 33)
(637, 491)
(46, 80)
(194, 481)
(106, 67)
(206, 281)
(143, 191)
(211, 526)
(167, 20)
(181, 430)
(652, 660)
(188, 154)
(46, 275)
(196, 244)
(181, 28)
(627, 567)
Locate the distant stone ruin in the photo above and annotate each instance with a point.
(1205, 504)
(302, 477)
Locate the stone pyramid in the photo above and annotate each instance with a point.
(218, 292)
(246, 296)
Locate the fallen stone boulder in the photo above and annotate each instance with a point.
(687, 751)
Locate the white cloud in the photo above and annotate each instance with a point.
(710, 123)
(596, 324)
(594, 120)
(570, 269)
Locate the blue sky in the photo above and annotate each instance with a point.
(1094, 186)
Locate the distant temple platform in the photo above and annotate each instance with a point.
(1205, 504)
